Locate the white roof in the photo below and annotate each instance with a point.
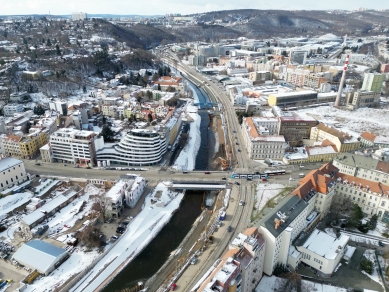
(321, 150)
(39, 255)
(324, 244)
(8, 162)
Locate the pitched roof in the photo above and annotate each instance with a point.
(341, 135)
(374, 186)
(368, 136)
(318, 179)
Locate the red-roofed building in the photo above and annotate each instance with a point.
(258, 142)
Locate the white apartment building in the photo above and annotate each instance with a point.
(322, 252)
(252, 246)
(281, 226)
(12, 172)
(134, 190)
(75, 146)
(139, 147)
(260, 144)
(12, 108)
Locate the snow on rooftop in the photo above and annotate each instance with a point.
(139, 233)
(11, 202)
(324, 244)
(187, 158)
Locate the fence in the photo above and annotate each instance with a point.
(380, 271)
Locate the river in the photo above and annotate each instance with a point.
(149, 261)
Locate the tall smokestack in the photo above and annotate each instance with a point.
(337, 101)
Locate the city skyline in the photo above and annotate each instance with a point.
(154, 7)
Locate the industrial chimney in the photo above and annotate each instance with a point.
(337, 101)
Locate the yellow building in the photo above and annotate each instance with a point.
(343, 141)
(30, 145)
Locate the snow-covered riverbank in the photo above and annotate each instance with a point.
(157, 211)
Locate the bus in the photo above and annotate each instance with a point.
(275, 172)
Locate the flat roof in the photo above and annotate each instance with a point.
(291, 206)
(38, 254)
(325, 245)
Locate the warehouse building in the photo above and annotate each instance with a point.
(293, 99)
(41, 256)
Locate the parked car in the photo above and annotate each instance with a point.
(193, 261)
(237, 143)
(114, 238)
(37, 163)
(264, 179)
(238, 184)
(229, 228)
(224, 178)
(173, 287)
(241, 203)
(207, 172)
(238, 150)
(380, 243)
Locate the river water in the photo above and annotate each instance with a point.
(151, 259)
(148, 262)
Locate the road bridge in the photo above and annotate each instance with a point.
(196, 185)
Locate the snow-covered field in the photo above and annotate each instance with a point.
(265, 192)
(272, 283)
(353, 122)
(187, 158)
(139, 233)
(11, 202)
(369, 254)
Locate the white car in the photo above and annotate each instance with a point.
(241, 203)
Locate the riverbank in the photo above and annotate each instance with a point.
(158, 208)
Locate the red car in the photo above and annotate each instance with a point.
(173, 287)
(207, 172)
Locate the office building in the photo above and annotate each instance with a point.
(295, 128)
(293, 99)
(139, 147)
(75, 146)
(362, 98)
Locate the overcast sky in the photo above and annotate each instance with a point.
(160, 7)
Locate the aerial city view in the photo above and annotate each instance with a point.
(194, 146)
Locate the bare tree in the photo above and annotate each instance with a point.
(90, 236)
(341, 204)
(102, 205)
